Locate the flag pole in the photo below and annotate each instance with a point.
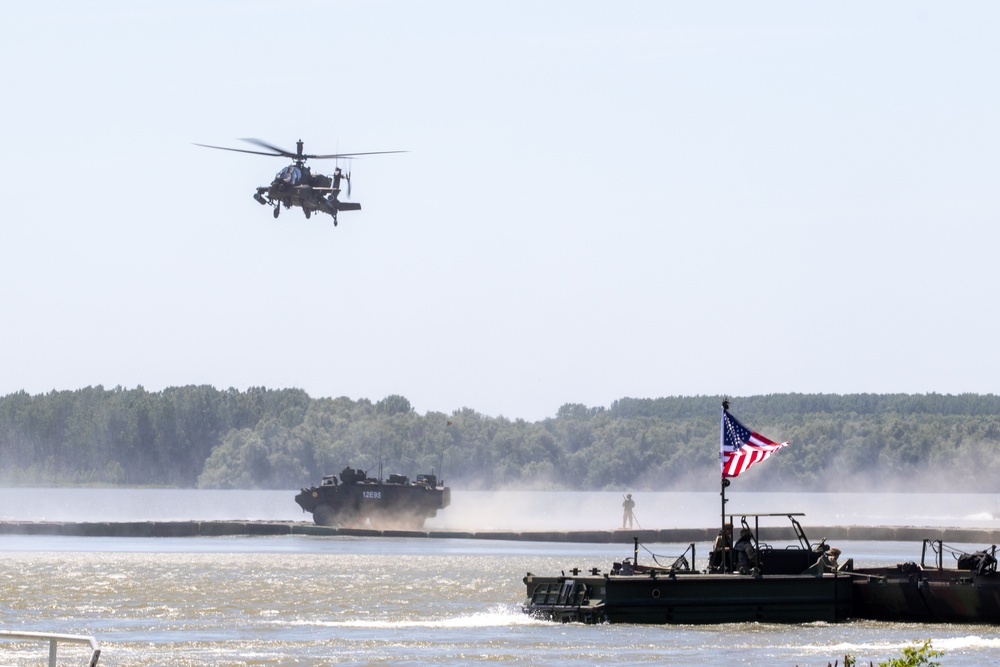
(725, 483)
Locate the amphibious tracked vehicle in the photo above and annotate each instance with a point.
(356, 500)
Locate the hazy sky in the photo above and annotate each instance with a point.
(601, 199)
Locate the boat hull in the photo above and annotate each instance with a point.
(927, 595)
(690, 598)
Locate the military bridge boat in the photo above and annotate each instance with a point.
(797, 583)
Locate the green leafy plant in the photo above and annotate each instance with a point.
(915, 656)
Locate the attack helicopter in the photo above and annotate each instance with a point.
(296, 185)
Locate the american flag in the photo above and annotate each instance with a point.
(740, 447)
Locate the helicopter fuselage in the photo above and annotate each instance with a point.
(296, 185)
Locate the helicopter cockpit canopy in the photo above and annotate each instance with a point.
(291, 174)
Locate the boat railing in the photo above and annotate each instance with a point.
(677, 562)
(936, 548)
(981, 562)
(53, 639)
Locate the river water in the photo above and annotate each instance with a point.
(300, 600)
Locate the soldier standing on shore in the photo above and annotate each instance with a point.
(627, 506)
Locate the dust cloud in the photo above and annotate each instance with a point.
(564, 511)
(514, 511)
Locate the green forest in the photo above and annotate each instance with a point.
(202, 437)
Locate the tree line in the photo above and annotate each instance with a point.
(199, 436)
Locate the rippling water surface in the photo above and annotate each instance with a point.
(297, 600)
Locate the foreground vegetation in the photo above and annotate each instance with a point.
(917, 654)
(260, 438)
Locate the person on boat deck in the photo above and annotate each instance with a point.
(744, 549)
(721, 548)
(724, 540)
(627, 514)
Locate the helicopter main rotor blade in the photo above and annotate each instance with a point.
(345, 155)
(281, 152)
(264, 144)
(240, 150)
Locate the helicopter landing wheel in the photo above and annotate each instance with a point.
(277, 210)
(334, 221)
(307, 212)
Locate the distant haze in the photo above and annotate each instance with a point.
(517, 511)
